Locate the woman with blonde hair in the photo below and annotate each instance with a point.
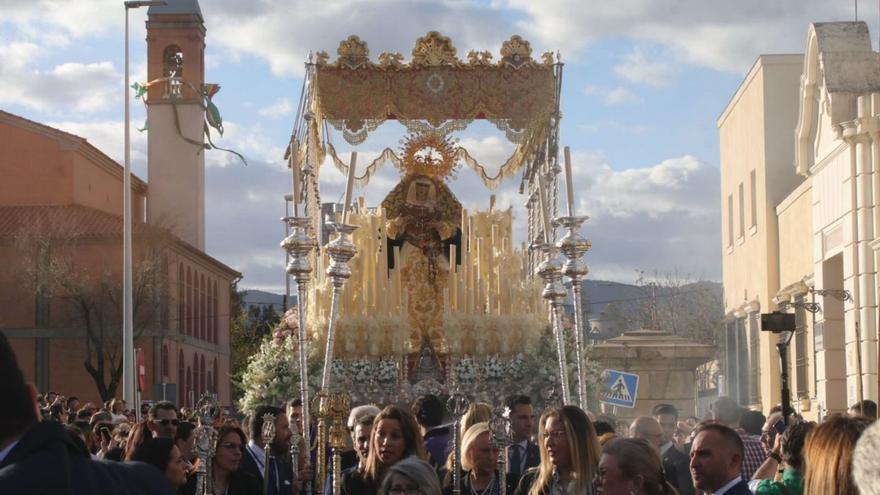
(630, 466)
(479, 458)
(569, 455)
(395, 436)
(828, 455)
(477, 412)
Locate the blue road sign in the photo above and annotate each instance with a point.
(620, 389)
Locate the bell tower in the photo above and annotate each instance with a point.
(176, 163)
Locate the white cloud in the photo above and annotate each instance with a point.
(67, 88)
(613, 96)
(722, 35)
(619, 96)
(279, 108)
(637, 68)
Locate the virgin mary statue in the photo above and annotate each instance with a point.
(422, 217)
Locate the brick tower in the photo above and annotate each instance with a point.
(176, 164)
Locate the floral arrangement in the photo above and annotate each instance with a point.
(272, 376)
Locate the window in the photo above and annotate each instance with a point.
(800, 347)
(203, 306)
(753, 186)
(189, 302)
(189, 387)
(181, 393)
(730, 220)
(203, 378)
(164, 361)
(172, 59)
(214, 321)
(754, 360)
(742, 212)
(181, 299)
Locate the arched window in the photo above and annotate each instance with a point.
(196, 377)
(215, 317)
(209, 313)
(172, 59)
(203, 306)
(181, 392)
(189, 303)
(181, 311)
(164, 361)
(203, 384)
(197, 307)
(188, 399)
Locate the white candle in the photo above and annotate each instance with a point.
(569, 186)
(349, 185)
(545, 208)
(294, 170)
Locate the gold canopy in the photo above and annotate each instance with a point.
(436, 92)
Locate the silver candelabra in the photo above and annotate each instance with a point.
(550, 271)
(341, 250)
(573, 246)
(299, 245)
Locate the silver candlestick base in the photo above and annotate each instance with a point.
(573, 246)
(550, 270)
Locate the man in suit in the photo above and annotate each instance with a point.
(716, 461)
(674, 466)
(253, 461)
(675, 463)
(428, 410)
(41, 457)
(522, 454)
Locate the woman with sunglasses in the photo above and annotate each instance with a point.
(569, 455)
(395, 436)
(228, 478)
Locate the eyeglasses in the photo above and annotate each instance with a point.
(406, 490)
(556, 435)
(166, 422)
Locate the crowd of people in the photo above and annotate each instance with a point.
(57, 445)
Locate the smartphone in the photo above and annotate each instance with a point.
(780, 426)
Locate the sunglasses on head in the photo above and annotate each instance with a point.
(166, 422)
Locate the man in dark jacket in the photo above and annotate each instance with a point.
(716, 461)
(675, 463)
(38, 458)
(253, 460)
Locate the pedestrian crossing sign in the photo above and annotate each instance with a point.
(620, 389)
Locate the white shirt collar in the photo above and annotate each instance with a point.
(665, 448)
(5, 452)
(259, 456)
(728, 486)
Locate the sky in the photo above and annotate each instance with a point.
(644, 83)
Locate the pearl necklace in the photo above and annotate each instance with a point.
(486, 490)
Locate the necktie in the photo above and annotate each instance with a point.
(516, 459)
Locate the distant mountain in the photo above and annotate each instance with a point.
(253, 297)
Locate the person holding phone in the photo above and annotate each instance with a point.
(786, 460)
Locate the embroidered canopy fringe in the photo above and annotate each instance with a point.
(509, 168)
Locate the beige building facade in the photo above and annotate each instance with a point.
(810, 174)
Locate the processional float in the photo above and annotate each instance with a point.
(431, 96)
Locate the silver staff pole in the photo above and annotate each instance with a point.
(457, 405)
(268, 434)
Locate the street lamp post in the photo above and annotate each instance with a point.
(128, 371)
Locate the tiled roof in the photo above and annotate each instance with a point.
(67, 219)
